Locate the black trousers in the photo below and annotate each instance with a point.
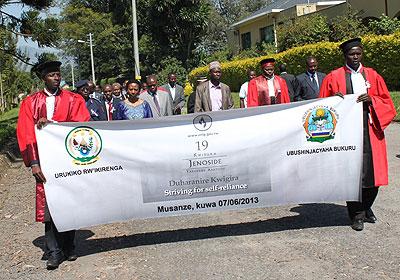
(357, 209)
(58, 243)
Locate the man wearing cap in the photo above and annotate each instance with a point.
(38, 109)
(268, 88)
(213, 95)
(96, 108)
(159, 99)
(378, 112)
(309, 82)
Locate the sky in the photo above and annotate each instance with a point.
(28, 45)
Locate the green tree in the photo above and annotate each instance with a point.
(347, 26)
(31, 25)
(170, 28)
(304, 30)
(171, 65)
(384, 25)
(75, 24)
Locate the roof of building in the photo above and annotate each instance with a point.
(278, 6)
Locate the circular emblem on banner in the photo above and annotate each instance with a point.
(202, 122)
(320, 124)
(84, 145)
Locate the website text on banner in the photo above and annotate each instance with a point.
(102, 172)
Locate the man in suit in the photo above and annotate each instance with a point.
(110, 102)
(290, 79)
(308, 83)
(159, 99)
(177, 94)
(95, 107)
(213, 95)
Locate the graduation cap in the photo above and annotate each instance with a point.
(46, 67)
(81, 83)
(349, 44)
(267, 62)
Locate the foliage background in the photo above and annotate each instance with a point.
(380, 52)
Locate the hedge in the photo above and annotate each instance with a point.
(380, 52)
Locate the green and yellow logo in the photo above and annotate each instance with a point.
(320, 124)
(84, 145)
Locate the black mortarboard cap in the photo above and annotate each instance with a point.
(81, 83)
(347, 45)
(46, 67)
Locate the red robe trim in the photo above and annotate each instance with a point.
(68, 107)
(257, 94)
(382, 112)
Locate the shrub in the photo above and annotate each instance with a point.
(381, 53)
(384, 25)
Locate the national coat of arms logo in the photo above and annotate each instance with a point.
(320, 124)
(84, 145)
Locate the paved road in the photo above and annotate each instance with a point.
(291, 242)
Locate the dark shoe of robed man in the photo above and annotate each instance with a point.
(53, 262)
(358, 224)
(70, 255)
(370, 216)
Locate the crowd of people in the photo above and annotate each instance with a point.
(135, 100)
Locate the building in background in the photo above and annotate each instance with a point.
(261, 25)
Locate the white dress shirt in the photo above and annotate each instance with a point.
(172, 91)
(271, 86)
(357, 80)
(215, 96)
(50, 103)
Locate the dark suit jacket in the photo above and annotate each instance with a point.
(305, 88)
(179, 101)
(96, 109)
(203, 100)
(291, 83)
(115, 102)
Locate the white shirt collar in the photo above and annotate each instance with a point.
(48, 93)
(352, 70)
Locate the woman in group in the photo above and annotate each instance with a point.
(133, 108)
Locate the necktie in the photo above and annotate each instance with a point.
(156, 103)
(110, 111)
(314, 81)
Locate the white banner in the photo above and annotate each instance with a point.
(101, 172)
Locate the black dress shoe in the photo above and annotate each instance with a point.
(71, 255)
(358, 224)
(370, 216)
(54, 262)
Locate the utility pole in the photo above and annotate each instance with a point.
(2, 94)
(72, 74)
(91, 57)
(135, 40)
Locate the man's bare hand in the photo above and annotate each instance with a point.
(364, 98)
(42, 122)
(38, 174)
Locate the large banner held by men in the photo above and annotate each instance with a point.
(102, 172)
